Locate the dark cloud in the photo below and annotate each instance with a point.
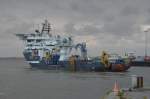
(104, 20)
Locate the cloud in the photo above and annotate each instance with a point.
(110, 24)
(82, 29)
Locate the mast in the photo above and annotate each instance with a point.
(146, 41)
(46, 28)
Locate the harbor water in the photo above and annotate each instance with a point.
(19, 81)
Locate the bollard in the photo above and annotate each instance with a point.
(134, 81)
(137, 81)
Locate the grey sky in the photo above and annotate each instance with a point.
(104, 24)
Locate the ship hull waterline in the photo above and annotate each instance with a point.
(87, 67)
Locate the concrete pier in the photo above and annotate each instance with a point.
(137, 90)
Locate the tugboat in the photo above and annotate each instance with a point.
(48, 51)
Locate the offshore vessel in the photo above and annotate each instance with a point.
(42, 49)
(45, 50)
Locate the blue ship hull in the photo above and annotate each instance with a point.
(64, 65)
(78, 65)
(81, 65)
(54, 63)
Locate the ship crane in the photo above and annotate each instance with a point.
(83, 50)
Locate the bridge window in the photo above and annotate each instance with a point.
(30, 40)
(38, 41)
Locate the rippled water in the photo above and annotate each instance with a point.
(19, 81)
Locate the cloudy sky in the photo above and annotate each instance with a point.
(112, 25)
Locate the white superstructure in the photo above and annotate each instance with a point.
(43, 41)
